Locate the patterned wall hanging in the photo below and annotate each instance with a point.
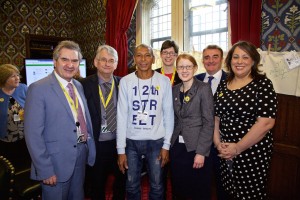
(281, 25)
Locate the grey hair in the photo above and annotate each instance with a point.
(68, 45)
(109, 50)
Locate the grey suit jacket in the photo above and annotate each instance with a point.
(50, 130)
(194, 120)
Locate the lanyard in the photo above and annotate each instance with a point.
(74, 105)
(173, 75)
(105, 103)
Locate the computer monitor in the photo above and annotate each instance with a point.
(36, 69)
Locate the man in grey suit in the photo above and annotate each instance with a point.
(58, 130)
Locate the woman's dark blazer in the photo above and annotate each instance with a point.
(194, 119)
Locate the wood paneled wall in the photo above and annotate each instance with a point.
(284, 180)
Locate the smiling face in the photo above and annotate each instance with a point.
(13, 81)
(212, 60)
(105, 63)
(168, 56)
(67, 64)
(241, 63)
(143, 59)
(185, 69)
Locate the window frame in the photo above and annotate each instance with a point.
(188, 27)
(177, 21)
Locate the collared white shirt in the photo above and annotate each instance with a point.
(215, 81)
(64, 83)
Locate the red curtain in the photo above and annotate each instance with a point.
(118, 17)
(245, 19)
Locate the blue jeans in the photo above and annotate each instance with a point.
(135, 151)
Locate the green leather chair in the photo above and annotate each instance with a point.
(17, 185)
(6, 178)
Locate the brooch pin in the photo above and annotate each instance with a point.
(21, 113)
(221, 94)
(187, 99)
(1, 99)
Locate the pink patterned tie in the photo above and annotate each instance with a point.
(80, 116)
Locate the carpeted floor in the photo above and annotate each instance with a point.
(145, 189)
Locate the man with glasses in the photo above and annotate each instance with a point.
(58, 128)
(145, 124)
(168, 54)
(101, 91)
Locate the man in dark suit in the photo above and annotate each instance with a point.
(58, 128)
(212, 58)
(101, 91)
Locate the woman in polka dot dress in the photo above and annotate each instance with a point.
(245, 109)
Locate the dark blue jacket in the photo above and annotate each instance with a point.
(19, 95)
(202, 76)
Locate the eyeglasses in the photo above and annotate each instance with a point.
(104, 60)
(165, 53)
(188, 67)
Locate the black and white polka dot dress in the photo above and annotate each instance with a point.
(245, 176)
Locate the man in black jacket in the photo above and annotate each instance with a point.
(101, 91)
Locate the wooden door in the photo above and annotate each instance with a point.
(284, 180)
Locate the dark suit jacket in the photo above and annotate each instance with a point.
(91, 91)
(177, 80)
(194, 119)
(202, 76)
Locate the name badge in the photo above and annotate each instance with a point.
(16, 117)
(80, 138)
(143, 116)
(80, 135)
(181, 139)
(104, 127)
